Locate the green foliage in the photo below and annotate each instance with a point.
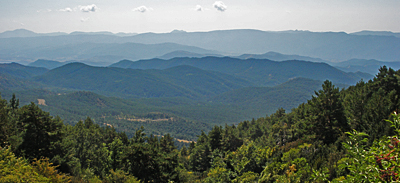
(327, 112)
(41, 135)
(120, 176)
(13, 169)
(376, 163)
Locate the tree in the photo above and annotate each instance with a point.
(215, 138)
(326, 108)
(42, 133)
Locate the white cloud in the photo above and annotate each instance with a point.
(220, 6)
(66, 9)
(47, 10)
(89, 8)
(199, 8)
(84, 19)
(142, 9)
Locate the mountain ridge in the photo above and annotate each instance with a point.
(260, 71)
(330, 46)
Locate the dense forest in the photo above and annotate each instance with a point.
(348, 135)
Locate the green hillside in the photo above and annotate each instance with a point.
(133, 83)
(21, 71)
(259, 71)
(259, 101)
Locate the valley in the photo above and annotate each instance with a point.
(218, 106)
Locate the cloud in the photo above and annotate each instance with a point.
(66, 9)
(46, 10)
(142, 9)
(199, 8)
(89, 8)
(84, 19)
(220, 6)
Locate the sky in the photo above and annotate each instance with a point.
(140, 16)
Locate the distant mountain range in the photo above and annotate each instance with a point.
(197, 92)
(275, 56)
(28, 33)
(262, 72)
(377, 33)
(368, 66)
(354, 65)
(23, 45)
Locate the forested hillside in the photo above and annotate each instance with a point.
(262, 72)
(130, 98)
(21, 71)
(182, 81)
(338, 135)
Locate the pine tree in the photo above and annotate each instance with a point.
(328, 111)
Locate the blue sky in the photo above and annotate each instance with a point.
(140, 16)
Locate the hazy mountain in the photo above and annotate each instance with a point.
(21, 71)
(367, 66)
(331, 46)
(91, 33)
(182, 81)
(262, 72)
(18, 33)
(27, 33)
(181, 53)
(103, 52)
(275, 56)
(377, 33)
(48, 64)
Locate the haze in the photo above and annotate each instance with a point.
(140, 16)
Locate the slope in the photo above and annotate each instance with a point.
(48, 64)
(370, 66)
(259, 101)
(259, 71)
(275, 56)
(21, 71)
(181, 53)
(182, 81)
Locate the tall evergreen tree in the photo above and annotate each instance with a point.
(42, 133)
(328, 111)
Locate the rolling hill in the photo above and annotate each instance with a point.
(275, 56)
(259, 71)
(21, 71)
(48, 64)
(182, 81)
(181, 53)
(259, 101)
(370, 66)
